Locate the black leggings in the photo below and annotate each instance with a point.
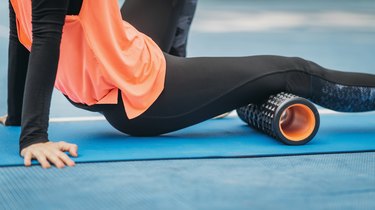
(197, 89)
(166, 21)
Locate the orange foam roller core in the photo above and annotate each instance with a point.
(297, 122)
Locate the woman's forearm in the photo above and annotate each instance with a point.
(18, 58)
(48, 18)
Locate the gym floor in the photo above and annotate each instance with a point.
(338, 34)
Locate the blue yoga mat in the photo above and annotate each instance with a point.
(228, 137)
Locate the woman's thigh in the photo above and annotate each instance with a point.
(213, 86)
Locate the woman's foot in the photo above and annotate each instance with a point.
(3, 119)
(222, 115)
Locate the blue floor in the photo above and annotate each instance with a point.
(341, 181)
(224, 138)
(338, 34)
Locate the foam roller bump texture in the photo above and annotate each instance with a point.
(260, 117)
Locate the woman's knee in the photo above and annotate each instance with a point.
(300, 64)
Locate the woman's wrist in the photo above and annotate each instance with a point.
(24, 144)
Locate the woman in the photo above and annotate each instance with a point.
(106, 65)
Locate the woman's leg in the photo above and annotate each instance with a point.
(156, 18)
(184, 21)
(217, 85)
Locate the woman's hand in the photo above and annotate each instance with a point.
(50, 152)
(3, 119)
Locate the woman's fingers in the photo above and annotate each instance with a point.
(67, 147)
(27, 158)
(53, 157)
(65, 158)
(73, 150)
(42, 159)
(50, 153)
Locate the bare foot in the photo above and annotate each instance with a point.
(3, 119)
(222, 115)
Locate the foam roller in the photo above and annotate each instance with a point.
(288, 118)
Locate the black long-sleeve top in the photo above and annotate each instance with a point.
(31, 75)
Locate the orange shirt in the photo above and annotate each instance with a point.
(101, 54)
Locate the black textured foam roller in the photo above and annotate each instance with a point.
(269, 116)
